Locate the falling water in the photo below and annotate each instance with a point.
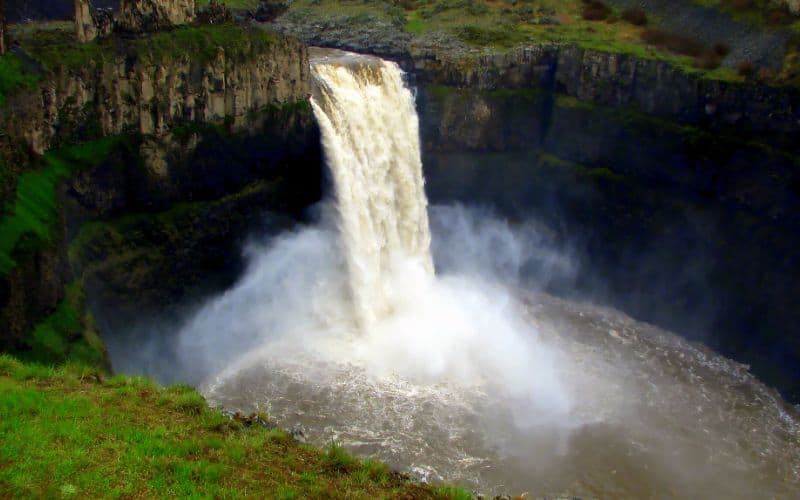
(370, 134)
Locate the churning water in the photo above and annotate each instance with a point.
(459, 375)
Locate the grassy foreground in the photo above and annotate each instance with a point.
(75, 432)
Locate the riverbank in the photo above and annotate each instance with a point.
(75, 431)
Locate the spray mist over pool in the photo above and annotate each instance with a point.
(344, 328)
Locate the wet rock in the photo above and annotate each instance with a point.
(85, 25)
(269, 10)
(249, 420)
(297, 434)
(215, 13)
(152, 15)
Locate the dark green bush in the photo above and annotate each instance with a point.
(635, 15)
(595, 10)
(672, 42)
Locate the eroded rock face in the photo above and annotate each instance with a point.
(152, 97)
(85, 26)
(792, 5)
(153, 15)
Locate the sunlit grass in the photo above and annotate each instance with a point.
(76, 432)
(504, 24)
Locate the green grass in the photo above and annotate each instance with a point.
(202, 43)
(29, 220)
(505, 24)
(13, 76)
(414, 23)
(74, 432)
(758, 13)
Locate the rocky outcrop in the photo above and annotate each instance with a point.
(158, 99)
(163, 237)
(216, 13)
(650, 86)
(85, 24)
(604, 78)
(119, 94)
(152, 15)
(3, 29)
(139, 16)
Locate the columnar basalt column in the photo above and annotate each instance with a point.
(85, 26)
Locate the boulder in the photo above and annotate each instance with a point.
(138, 16)
(85, 25)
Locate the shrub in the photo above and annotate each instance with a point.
(479, 35)
(708, 60)
(270, 9)
(745, 68)
(336, 459)
(721, 49)
(595, 10)
(739, 4)
(672, 42)
(635, 15)
(779, 17)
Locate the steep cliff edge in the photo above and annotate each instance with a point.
(141, 111)
(621, 80)
(689, 226)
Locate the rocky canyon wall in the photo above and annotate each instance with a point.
(216, 116)
(691, 227)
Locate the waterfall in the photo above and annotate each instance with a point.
(370, 135)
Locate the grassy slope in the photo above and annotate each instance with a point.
(72, 432)
(504, 24)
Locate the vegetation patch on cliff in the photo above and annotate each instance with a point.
(14, 76)
(73, 431)
(69, 334)
(462, 26)
(29, 219)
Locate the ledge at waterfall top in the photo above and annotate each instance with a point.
(712, 40)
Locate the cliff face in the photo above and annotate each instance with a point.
(153, 15)
(159, 100)
(159, 237)
(126, 93)
(650, 86)
(691, 227)
(618, 80)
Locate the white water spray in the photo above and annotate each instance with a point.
(370, 134)
(347, 332)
